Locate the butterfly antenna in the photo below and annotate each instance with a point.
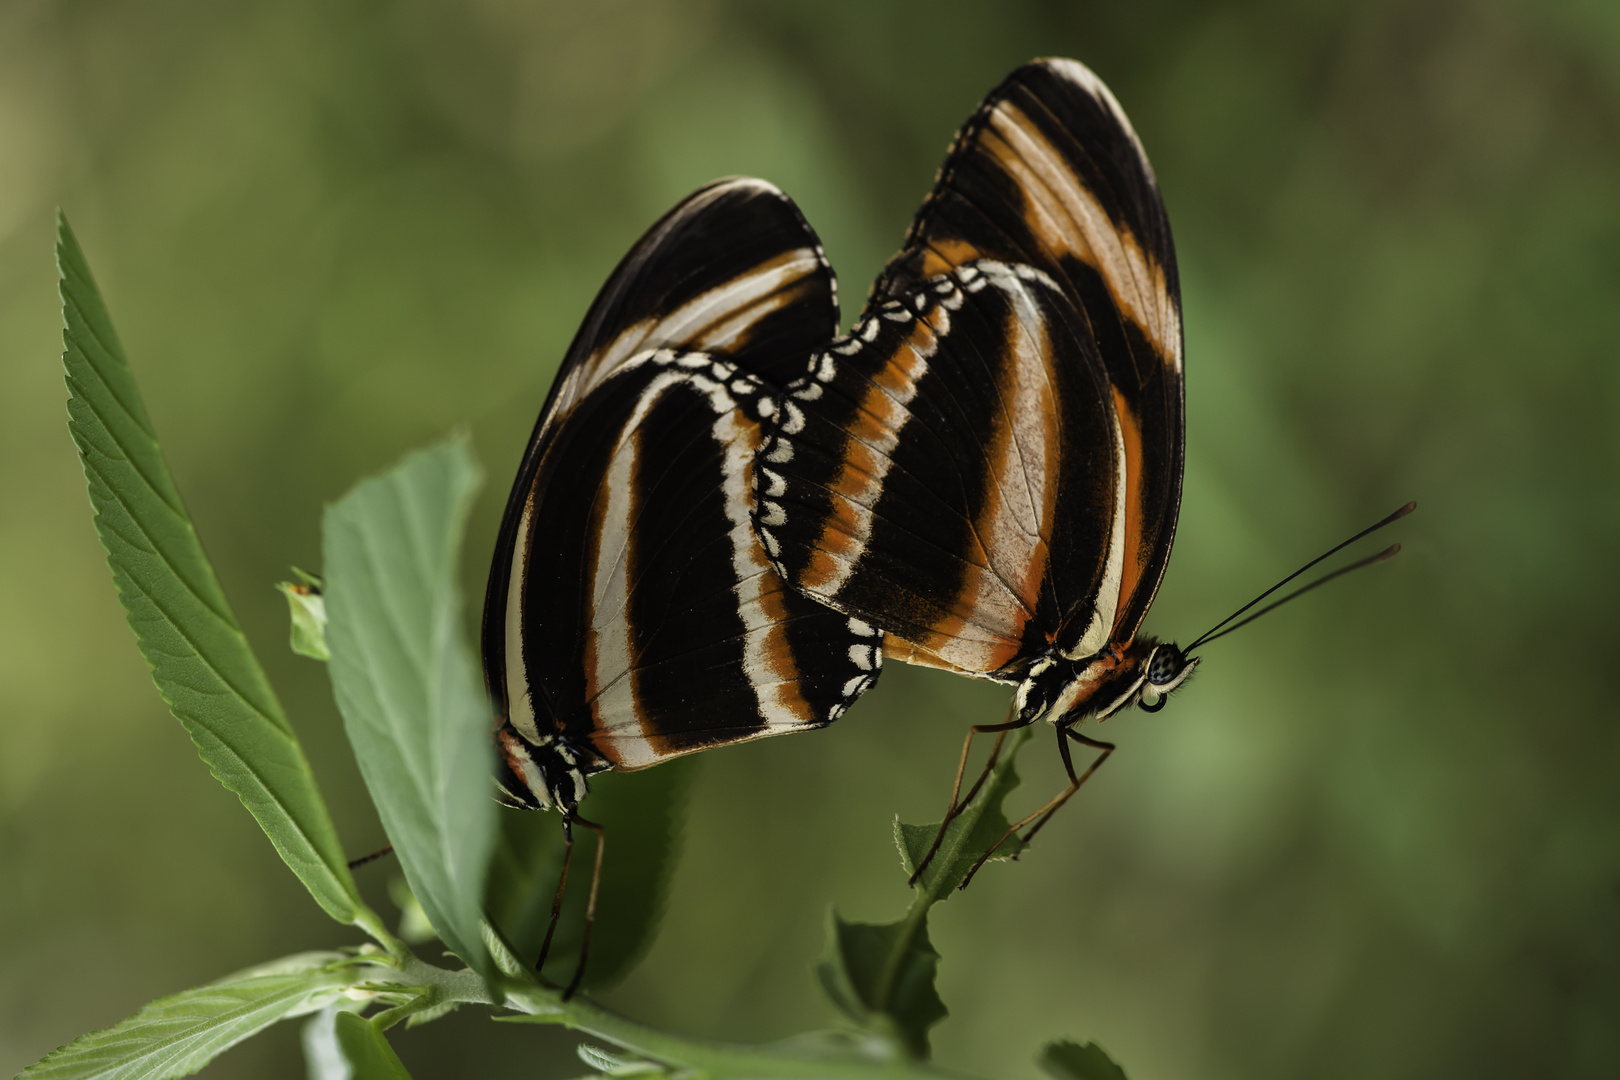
(1216, 631)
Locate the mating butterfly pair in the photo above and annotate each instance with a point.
(726, 518)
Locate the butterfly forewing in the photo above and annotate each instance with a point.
(936, 486)
(989, 467)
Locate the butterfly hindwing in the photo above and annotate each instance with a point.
(653, 623)
(989, 466)
(631, 614)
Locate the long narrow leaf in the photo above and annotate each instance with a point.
(406, 682)
(176, 1036)
(201, 662)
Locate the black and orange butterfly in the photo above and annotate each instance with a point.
(632, 614)
(989, 466)
(727, 516)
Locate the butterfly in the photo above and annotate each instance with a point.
(728, 516)
(632, 614)
(989, 466)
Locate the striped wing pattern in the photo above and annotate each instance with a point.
(989, 467)
(727, 517)
(651, 624)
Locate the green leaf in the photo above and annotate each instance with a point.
(970, 834)
(1064, 1060)
(882, 977)
(366, 1051)
(307, 608)
(201, 661)
(178, 1035)
(414, 926)
(406, 682)
(323, 1059)
(642, 813)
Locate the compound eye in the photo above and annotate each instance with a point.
(1166, 664)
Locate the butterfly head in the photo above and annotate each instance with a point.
(1165, 668)
(1067, 692)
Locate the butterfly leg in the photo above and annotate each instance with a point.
(355, 864)
(590, 905)
(562, 888)
(1107, 748)
(954, 807)
(1045, 813)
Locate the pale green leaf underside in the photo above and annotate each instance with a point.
(201, 661)
(176, 1036)
(365, 1051)
(323, 1058)
(406, 681)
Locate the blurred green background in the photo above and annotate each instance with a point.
(1378, 836)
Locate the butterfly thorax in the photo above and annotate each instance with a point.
(532, 775)
(1068, 692)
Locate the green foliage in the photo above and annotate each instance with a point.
(307, 610)
(176, 1036)
(406, 682)
(618, 1065)
(365, 1051)
(414, 925)
(1065, 1060)
(202, 663)
(881, 976)
(323, 1058)
(970, 833)
(642, 813)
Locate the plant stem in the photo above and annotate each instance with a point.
(840, 1056)
(929, 887)
(834, 1055)
(369, 921)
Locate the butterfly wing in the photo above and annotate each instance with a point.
(631, 614)
(990, 466)
(652, 622)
